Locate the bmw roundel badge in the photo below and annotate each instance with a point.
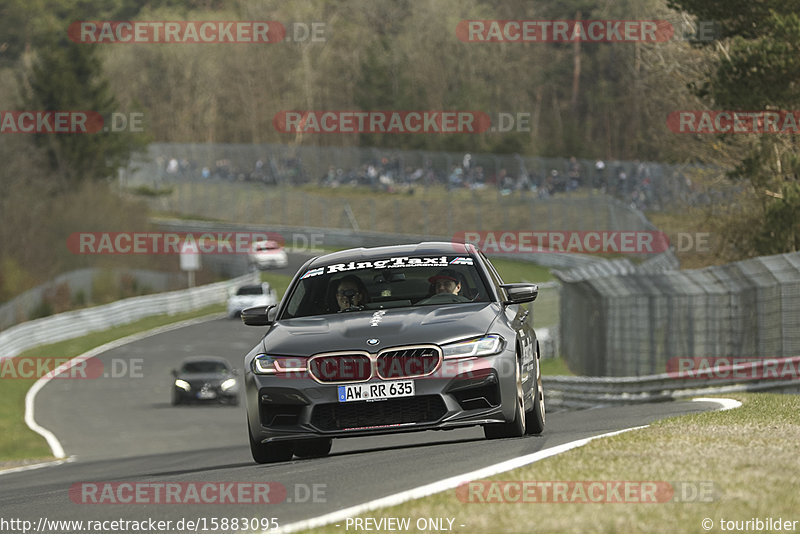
(373, 341)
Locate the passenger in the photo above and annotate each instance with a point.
(351, 293)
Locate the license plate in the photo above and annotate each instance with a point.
(206, 395)
(376, 390)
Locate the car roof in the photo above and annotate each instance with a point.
(197, 359)
(428, 248)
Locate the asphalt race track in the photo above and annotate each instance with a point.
(123, 429)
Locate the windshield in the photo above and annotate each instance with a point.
(250, 290)
(204, 367)
(391, 282)
(267, 246)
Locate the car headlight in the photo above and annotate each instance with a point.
(183, 384)
(228, 384)
(483, 346)
(268, 364)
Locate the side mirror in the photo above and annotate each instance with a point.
(174, 372)
(259, 315)
(520, 293)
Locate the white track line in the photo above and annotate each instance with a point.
(30, 397)
(726, 404)
(454, 482)
(31, 467)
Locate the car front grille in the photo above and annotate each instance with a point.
(356, 415)
(198, 384)
(342, 367)
(408, 363)
(389, 364)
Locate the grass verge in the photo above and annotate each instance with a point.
(555, 366)
(278, 281)
(17, 441)
(747, 457)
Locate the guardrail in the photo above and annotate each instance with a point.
(81, 281)
(769, 374)
(77, 323)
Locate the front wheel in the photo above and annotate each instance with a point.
(516, 428)
(534, 419)
(265, 453)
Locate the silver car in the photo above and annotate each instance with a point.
(248, 296)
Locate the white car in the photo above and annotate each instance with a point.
(266, 253)
(250, 295)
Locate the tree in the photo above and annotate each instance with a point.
(67, 76)
(758, 68)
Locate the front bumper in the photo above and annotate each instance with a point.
(208, 395)
(460, 393)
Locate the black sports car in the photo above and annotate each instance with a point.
(392, 339)
(205, 379)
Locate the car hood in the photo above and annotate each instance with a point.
(211, 378)
(392, 327)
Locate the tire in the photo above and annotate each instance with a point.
(534, 419)
(313, 448)
(265, 453)
(516, 428)
(176, 399)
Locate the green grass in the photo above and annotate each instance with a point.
(521, 271)
(278, 281)
(17, 441)
(555, 366)
(747, 457)
(431, 211)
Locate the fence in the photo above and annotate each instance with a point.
(80, 285)
(632, 322)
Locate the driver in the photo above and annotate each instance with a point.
(446, 281)
(445, 286)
